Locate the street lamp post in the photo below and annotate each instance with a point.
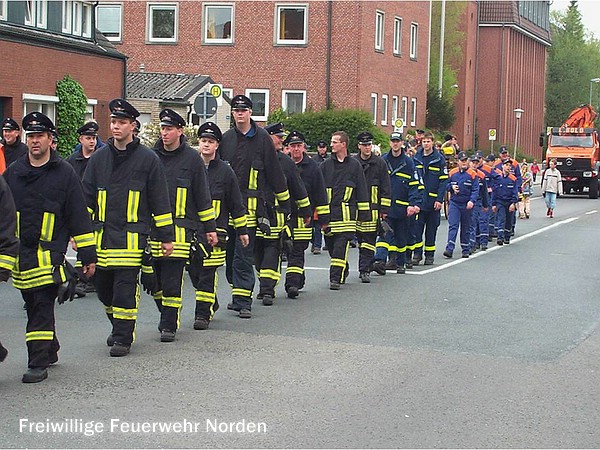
(518, 113)
(593, 80)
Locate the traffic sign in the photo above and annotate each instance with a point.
(492, 134)
(217, 91)
(398, 123)
(205, 105)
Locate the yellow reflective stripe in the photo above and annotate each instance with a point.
(432, 194)
(292, 269)
(435, 169)
(85, 240)
(336, 262)
(179, 234)
(403, 175)
(125, 313)
(253, 179)
(207, 297)
(345, 212)
(173, 302)
(367, 246)
(269, 273)
(363, 206)
(7, 262)
(430, 248)
(47, 227)
(207, 214)
(386, 201)
(133, 203)
(303, 202)
(18, 228)
(283, 195)
(132, 240)
(43, 257)
(241, 292)
(401, 202)
(239, 222)
(412, 183)
(382, 244)
(216, 204)
(102, 205)
(443, 177)
(163, 220)
(252, 204)
(421, 186)
(90, 211)
(324, 209)
(39, 336)
(180, 202)
(329, 194)
(348, 193)
(374, 194)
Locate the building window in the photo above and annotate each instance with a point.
(379, 18)
(46, 104)
(384, 109)
(77, 18)
(67, 18)
(413, 112)
(86, 24)
(162, 22)
(394, 109)
(109, 20)
(260, 103)
(145, 118)
(404, 110)
(293, 101)
(3, 8)
(36, 13)
(291, 25)
(397, 36)
(218, 24)
(374, 108)
(414, 33)
(89, 110)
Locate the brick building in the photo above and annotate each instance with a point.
(41, 42)
(302, 55)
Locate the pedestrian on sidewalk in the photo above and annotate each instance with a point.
(551, 186)
(526, 192)
(535, 169)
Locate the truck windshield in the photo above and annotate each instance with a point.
(572, 141)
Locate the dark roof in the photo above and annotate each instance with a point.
(503, 13)
(46, 39)
(164, 86)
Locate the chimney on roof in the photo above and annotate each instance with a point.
(142, 68)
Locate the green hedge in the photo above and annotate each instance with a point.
(70, 113)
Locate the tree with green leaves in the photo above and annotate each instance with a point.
(71, 109)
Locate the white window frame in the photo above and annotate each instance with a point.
(118, 38)
(163, 6)
(379, 27)
(67, 16)
(89, 110)
(374, 107)
(404, 109)
(414, 38)
(266, 92)
(38, 13)
(45, 104)
(384, 109)
(3, 9)
(77, 18)
(205, 27)
(394, 109)
(280, 41)
(413, 112)
(397, 49)
(86, 17)
(284, 93)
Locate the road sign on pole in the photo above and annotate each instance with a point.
(398, 125)
(217, 91)
(205, 105)
(492, 134)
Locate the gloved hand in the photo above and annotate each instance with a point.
(148, 277)
(199, 249)
(66, 290)
(287, 244)
(264, 226)
(4, 274)
(222, 238)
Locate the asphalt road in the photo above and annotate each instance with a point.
(498, 350)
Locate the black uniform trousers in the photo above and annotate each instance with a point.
(119, 291)
(42, 343)
(267, 259)
(366, 250)
(205, 280)
(169, 273)
(294, 274)
(337, 245)
(239, 270)
(428, 221)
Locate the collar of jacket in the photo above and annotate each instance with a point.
(160, 146)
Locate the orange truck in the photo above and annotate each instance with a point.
(575, 147)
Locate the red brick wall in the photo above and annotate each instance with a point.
(254, 62)
(41, 68)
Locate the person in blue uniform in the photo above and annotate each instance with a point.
(504, 197)
(478, 230)
(463, 185)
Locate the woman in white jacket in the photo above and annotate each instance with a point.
(551, 186)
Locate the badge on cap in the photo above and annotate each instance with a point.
(365, 138)
(241, 102)
(295, 137)
(462, 156)
(120, 108)
(210, 130)
(275, 129)
(170, 118)
(36, 122)
(10, 124)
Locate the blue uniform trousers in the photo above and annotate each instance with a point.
(458, 215)
(428, 221)
(504, 222)
(239, 270)
(397, 242)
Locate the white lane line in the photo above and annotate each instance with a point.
(593, 211)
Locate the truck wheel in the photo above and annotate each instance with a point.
(593, 188)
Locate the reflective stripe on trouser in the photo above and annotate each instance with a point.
(428, 221)
(294, 274)
(119, 291)
(240, 270)
(205, 281)
(366, 250)
(337, 245)
(504, 220)
(458, 215)
(267, 253)
(169, 273)
(41, 331)
(400, 240)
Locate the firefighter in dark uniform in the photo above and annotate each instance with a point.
(348, 201)
(13, 147)
(88, 135)
(9, 243)
(302, 229)
(50, 209)
(269, 247)
(249, 149)
(126, 192)
(191, 206)
(378, 185)
(405, 203)
(228, 205)
(431, 166)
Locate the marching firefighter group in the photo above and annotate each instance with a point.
(139, 217)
